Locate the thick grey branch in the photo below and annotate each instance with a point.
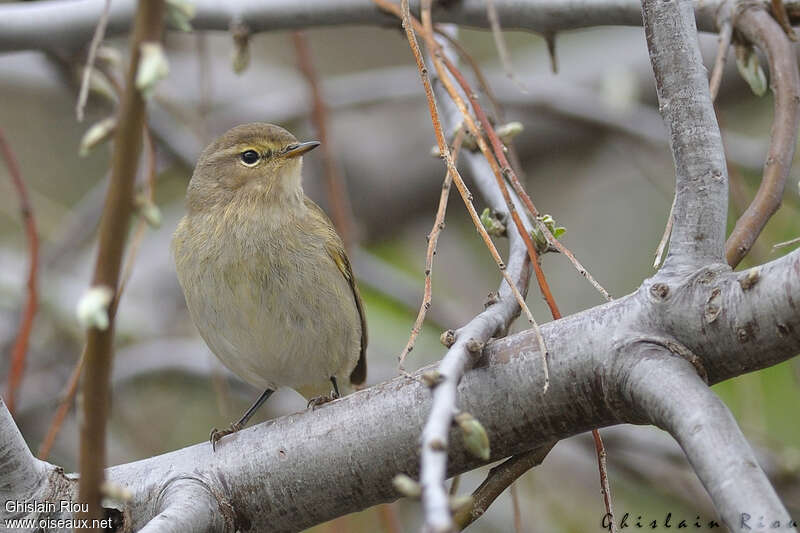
(22, 476)
(669, 393)
(701, 188)
(269, 475)
(187, 504)
(57, 25)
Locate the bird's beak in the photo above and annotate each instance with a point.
(296, 150)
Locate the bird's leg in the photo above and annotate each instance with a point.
(319, 400)
(217, 434)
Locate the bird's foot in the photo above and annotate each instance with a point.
(217, 434)
(316, 401)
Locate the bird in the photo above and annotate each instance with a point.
(266, 278)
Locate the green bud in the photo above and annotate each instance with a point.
(99, 85)
(149, 211)
(750, 69)
(431, 378)
(475, 438)
(542, 246)
(507, 132)
(492, 224)
(98, 133)
(153, 67)
(92, 308)
(180, 13)
(407, 486)
(109, 55)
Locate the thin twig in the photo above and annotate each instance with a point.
(759, 27)
(448, 158)
(499, 153)
(20, 350)
(497, 109)
(113, 233)
(341, 212)
(483, 83)
(433, 239)
(97, 38)
(780, 14)
(665, 237)
(141, 223)
(509, 172)
(500, 44)
(499, 479)
(435, 433)
(438, 58)
(786, 243)
(605, 487)
(507, 169)
(515, 507)
(63, 408)
(725, 35)
(138, 235)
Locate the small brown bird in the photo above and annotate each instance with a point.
(265, 275)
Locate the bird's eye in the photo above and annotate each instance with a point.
(249, 157)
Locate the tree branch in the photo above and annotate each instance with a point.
(269, 475)
(701, 182)
(24, 476)
(759, 27)
(668, 392)
(53, 24)
(113, 234)
(20, 349)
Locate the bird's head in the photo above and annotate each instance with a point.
(250, 162)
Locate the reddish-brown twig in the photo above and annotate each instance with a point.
(499, 153)
(151, 172)
(540, 277)
(486, 89)
(20, 349)
(448, 159)
(759, 27)
(337, 194)
(113, 233)
(138, 235)
(433, 239)
(63, 408)
(497, 146)
(509, 172)
(437, 57)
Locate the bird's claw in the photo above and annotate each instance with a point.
(316, 401)
(217, 434)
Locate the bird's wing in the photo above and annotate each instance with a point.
(335, 248)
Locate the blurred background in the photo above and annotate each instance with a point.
(595, 157)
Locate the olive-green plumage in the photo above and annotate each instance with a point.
(266, 277)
